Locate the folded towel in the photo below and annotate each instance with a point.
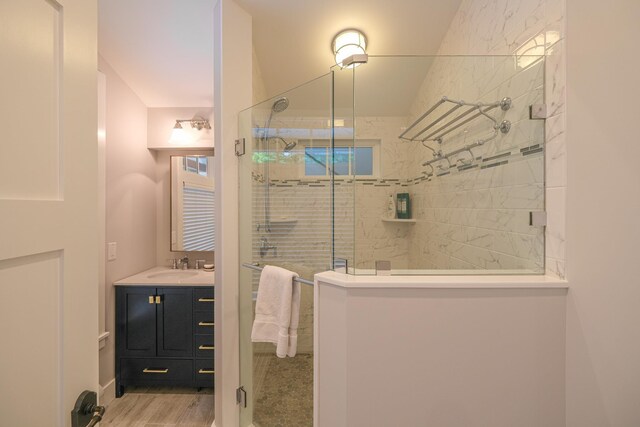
(277, 310)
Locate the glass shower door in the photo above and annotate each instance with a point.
(285, 220)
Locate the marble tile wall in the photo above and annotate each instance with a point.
(467, 229)
(360, 235)
(504, 178)
(473, 217)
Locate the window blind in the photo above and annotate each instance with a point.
(198, 218)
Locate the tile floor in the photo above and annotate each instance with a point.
(161, 407)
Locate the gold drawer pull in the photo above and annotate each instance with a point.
(206, 347)
(155, 371)
(206, 299)
(206, 371)
(150, 299)
(158, 299)
(206, 324)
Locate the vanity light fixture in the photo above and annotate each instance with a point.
(350, 48)
(179, 135)
(196, 123)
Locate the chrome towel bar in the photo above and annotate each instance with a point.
(257, 267)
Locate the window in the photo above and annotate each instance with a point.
(347, 160)
(196, 164)
(198, 219)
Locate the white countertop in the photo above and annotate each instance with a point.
(167, 276)
(441, 282)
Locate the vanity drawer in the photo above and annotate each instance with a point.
(204, 373)
(203, 322)
(205, 346)
(156, 370)
(204, 299)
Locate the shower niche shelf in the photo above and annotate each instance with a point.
(399, 220)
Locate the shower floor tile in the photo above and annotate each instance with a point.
(283, 390)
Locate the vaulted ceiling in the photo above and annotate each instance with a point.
(293, 38)
(163, 49)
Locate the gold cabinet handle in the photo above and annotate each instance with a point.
(206, 371)
(158, 299)
(150, 299)
(206, 324)
(206, 347)
(155, 371)
(206, 299)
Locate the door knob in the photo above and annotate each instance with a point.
(86, 412)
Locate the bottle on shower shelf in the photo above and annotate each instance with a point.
(391, 208)
(403, 206)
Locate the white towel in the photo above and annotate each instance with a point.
(277, 310)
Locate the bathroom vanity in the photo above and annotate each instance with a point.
(165, 329)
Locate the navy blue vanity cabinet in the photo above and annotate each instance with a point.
(204, 348)
(156, 333)
(174, 319)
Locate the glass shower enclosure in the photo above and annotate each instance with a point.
(284, 221)
(413, 164)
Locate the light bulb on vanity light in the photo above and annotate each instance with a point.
(178, 135)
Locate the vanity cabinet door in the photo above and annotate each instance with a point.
(175, 322)
(136, 321)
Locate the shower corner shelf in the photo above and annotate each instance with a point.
(399, 220)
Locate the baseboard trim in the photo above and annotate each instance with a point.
(107, 393)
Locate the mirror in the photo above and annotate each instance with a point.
(192, 203)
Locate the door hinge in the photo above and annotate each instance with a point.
(240, 148)
(538, 111)
(538, 219)
(241, 397)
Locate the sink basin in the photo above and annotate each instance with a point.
(172, 274)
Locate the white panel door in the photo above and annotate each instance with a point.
(48, 209)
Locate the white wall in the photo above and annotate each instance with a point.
(130, 198)
(603, 310)
(233, 92)
(399, 353)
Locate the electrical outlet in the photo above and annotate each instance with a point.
(111, 251)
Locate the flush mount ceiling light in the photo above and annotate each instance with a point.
(178, 135)
(349, 48)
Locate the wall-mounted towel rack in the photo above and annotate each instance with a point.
(256, 267)
(468, 112)
(427, 120)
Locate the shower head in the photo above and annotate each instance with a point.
(287, 146)
(280, 105)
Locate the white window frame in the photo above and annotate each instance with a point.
(326, 143)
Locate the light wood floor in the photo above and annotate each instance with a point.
(161, 407)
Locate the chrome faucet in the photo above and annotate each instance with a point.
(184, 262)
(266, 247)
